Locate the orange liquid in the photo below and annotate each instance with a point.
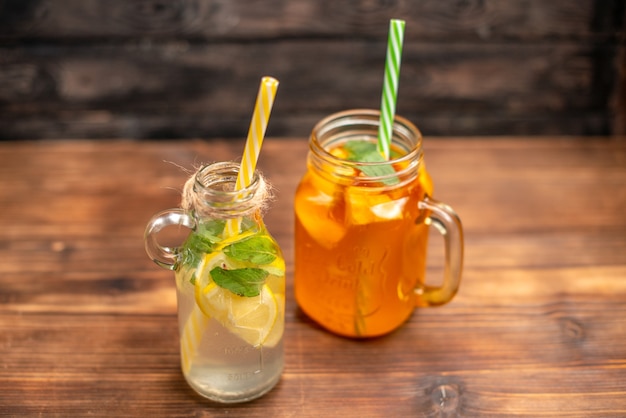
(359, 253)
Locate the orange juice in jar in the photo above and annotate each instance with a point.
(362, 227)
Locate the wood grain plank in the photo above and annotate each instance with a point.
(187, 91)
(536, 329)
(492, 371)
(179, 69)
(210, 19)
(537, 190)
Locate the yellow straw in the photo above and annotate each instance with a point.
(192, 336)
(256, 133)
(197, 320)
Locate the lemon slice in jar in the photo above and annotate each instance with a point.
(364, 207)
(253, 319)
(320, 210)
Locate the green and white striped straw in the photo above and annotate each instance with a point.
(390, 85)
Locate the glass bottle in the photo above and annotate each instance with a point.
(230, 285)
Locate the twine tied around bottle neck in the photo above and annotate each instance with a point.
(210, 192)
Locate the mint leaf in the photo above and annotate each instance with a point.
(193, 251)
(243, 282)
(212, 230)
(256, 250)
(366, 152)
(359, 150)
(200, 242)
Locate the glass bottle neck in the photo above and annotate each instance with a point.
(211, 193)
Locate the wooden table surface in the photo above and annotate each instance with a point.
(88, 322)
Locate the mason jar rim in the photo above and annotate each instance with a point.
(400, 122)
(339, 127)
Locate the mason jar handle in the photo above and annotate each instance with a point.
(165, 257)
(447, 222)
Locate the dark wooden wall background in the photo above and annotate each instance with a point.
(190, 68)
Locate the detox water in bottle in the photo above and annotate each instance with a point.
(230, 281)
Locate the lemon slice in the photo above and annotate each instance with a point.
(319, 209)
(276, 333)
(208, 263)
(252, 319)
(365, 207)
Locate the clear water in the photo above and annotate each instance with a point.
(223, 367)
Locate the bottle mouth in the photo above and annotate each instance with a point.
(362, 125)
(213, 192)
(219, 179)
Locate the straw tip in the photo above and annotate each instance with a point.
(397, 22)
(270, 81)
